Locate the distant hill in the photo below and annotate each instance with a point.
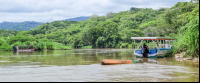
(28, 25)
(25, 26)
(78, 18)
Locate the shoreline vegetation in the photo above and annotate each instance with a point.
(114, 30)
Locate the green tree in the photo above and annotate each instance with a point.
(108, 29)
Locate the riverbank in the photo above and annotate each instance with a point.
(182, 57)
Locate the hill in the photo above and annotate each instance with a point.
(25, 26)
(78, 18)
(28, 25)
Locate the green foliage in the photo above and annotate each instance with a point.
(108, 33)
(189, 35)
(5, 48)
(6, 33)
(87, 46)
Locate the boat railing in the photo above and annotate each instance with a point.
(165, 42)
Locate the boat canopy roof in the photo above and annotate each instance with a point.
(153, 38)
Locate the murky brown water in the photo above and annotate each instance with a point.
(84, 65)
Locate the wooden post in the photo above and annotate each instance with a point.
(163, 43)
(134, 44)
(153, 45)
(160, 43)
(157, 43)
(170, 44)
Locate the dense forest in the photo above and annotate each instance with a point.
(114, 30)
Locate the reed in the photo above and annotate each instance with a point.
(188, 39)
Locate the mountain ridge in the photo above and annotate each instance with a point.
(81, 18)
(28, 25)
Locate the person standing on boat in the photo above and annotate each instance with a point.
(145, 51)
(14, 48)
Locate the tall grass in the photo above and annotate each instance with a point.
(188, 40)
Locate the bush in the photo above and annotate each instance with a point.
(87, 46)
(6, 48)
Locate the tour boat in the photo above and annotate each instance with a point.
(23, 48)
(162, 48)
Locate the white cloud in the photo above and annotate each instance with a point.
(52, 10)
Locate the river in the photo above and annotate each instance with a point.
(84, 65)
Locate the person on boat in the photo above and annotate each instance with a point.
(145, 51)
(14, 48)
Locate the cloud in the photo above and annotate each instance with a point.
(52, 10)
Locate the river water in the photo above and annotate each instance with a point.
(84, 65)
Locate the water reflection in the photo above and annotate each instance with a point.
(23, 52)
(148, 60)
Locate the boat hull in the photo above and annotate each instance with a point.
(25, 50)
(140, 56)
(154, 53)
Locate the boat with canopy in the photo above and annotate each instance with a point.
(161, 46)
(23, 48)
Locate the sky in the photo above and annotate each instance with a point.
(53, 10)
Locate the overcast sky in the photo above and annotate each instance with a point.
(52, 10)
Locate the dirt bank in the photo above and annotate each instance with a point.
(182, 57)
